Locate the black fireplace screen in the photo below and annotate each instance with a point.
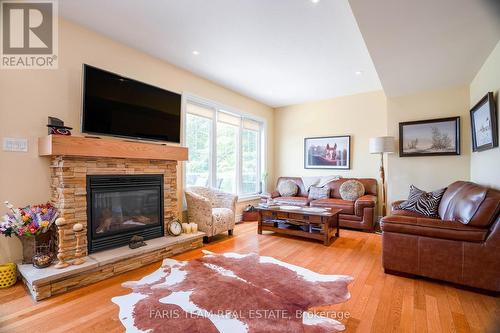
(122, 206)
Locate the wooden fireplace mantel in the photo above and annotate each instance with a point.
(60, 145)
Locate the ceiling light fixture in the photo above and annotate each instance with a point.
(358, 73)
(315, 1)
(196, 52)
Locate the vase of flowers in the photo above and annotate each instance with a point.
(33, 225)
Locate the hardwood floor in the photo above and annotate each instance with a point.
(379, 302)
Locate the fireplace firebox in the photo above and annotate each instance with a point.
(121, 206)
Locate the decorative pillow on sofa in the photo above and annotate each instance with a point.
(287, 188)
(351, 190)
(316, 193)
(425, 203)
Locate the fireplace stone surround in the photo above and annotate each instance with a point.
(69, 188)
(72, 160)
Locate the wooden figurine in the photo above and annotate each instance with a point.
(60, 222)
(78, 228)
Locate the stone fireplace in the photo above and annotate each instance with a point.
(113, 198)
(115, 189)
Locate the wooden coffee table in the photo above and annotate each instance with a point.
(322, 226)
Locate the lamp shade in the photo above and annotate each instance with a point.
(381, 144)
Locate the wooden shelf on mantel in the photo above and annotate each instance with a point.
(61, 145)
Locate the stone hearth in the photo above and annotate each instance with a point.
(69, 193)
(47, 282)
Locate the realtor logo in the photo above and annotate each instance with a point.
(28, 34)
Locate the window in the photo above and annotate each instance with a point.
(224, 149)
(198, 136)
(228, 132)
(250, 158)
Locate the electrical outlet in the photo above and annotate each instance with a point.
(14, 144)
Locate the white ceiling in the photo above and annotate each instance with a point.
(279, 52)
(419, 45)
(283, 52)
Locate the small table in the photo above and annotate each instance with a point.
(322, 226)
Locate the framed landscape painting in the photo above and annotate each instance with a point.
(329, 152)
(434, 137)
(483, 118)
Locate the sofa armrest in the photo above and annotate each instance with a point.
(396, 203)
(199, 211)
(269, 195)
(225, 200)
(365, 201)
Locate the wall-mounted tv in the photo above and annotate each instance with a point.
(118, 106)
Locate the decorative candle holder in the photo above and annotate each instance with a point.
(194, 227)
(184, 227)
(77, 229)
(60, 222)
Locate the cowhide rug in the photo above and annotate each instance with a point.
(231, 293)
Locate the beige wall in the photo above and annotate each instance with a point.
(485, 165)
(428, 173)
(362, 116)
(27, 97)
(368, 115)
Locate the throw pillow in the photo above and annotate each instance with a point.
(287, 188)
(425, 203)
(351, 190)
(316, 193)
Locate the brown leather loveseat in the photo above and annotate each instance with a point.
(462, 246)
(359, 214)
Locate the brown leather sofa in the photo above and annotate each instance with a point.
(359, 214)
(462, 246)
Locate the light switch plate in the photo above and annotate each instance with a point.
(15, 144)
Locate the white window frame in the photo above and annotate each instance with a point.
(216, 108)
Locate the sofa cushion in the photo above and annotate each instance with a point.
(433, 228)
(302, 192)
(402, 212)
(346, 205)
(421, 202)
(316, 193)
(351, 190)
(294, 201)
(287, 188)
(370, 185)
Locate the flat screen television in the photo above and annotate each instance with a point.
(118, 106)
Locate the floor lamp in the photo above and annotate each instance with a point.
(381, 145)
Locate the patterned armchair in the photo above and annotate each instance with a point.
(213, 210)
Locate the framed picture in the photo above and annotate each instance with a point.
(433, 137)
(329, 152)
(483, 117)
